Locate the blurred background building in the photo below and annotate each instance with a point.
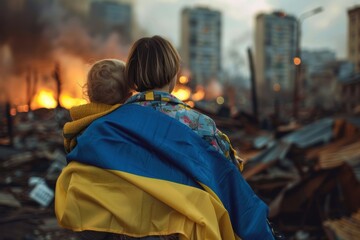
(314, 67)
(315, 60)
(275, 44)
(201, 43)
(354, 37)
(350, 85)
(112, 16)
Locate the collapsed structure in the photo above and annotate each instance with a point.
(309, 176)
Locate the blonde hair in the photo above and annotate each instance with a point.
(152, 63)
(106, 82)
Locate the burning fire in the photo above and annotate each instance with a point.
(190, 103)
(183, 80)
(68, 102)
(199, 94)
(182, 92)
(44, 99)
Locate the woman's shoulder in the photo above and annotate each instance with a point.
(201, 115)
(202, 120)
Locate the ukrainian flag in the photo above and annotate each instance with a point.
(139, 172)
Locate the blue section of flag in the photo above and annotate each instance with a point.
(145, 142)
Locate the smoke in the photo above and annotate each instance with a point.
(37, 34)
(21, 31)
(213, 90)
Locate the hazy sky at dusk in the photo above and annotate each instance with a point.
(327, 29)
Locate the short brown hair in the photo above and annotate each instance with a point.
(152, 63)
(106, 82)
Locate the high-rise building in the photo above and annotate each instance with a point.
(201, 43)
(275, 47)
(354, 37)
(112, 16)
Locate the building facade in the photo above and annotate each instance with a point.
(350, 94)
(275, 48)
(201, 43)
(112, 16)
(354, 37)
(323, 76)
(315, 61)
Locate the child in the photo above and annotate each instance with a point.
(106, 88)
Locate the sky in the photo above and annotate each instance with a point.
(325, 30)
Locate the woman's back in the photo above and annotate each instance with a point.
(201, 124)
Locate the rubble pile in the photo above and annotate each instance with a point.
(28, 172)
(344, 228)
(308, 177)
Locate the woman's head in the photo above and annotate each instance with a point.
(153, 63)
(106, 82)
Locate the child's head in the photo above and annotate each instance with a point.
(106, 82)
(152, 63)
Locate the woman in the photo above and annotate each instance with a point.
(155, 80)
(155, 167)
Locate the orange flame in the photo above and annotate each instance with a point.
(68, 102)
(13, 111)
(183, 80)
(22, 108)
(190, 103)
(199, 94)
(182, 92)
(44, 99)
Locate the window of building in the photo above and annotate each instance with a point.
(193, 22)
(193, 40)
(352, 19)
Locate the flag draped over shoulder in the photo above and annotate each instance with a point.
(139, 172)
(82, 116)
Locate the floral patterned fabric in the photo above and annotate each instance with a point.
(203, 125)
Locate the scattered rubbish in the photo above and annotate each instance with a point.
(28, 173)
(33, 181)
(7, 199)
(309, 176)
(42, 194)
(345, 228)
